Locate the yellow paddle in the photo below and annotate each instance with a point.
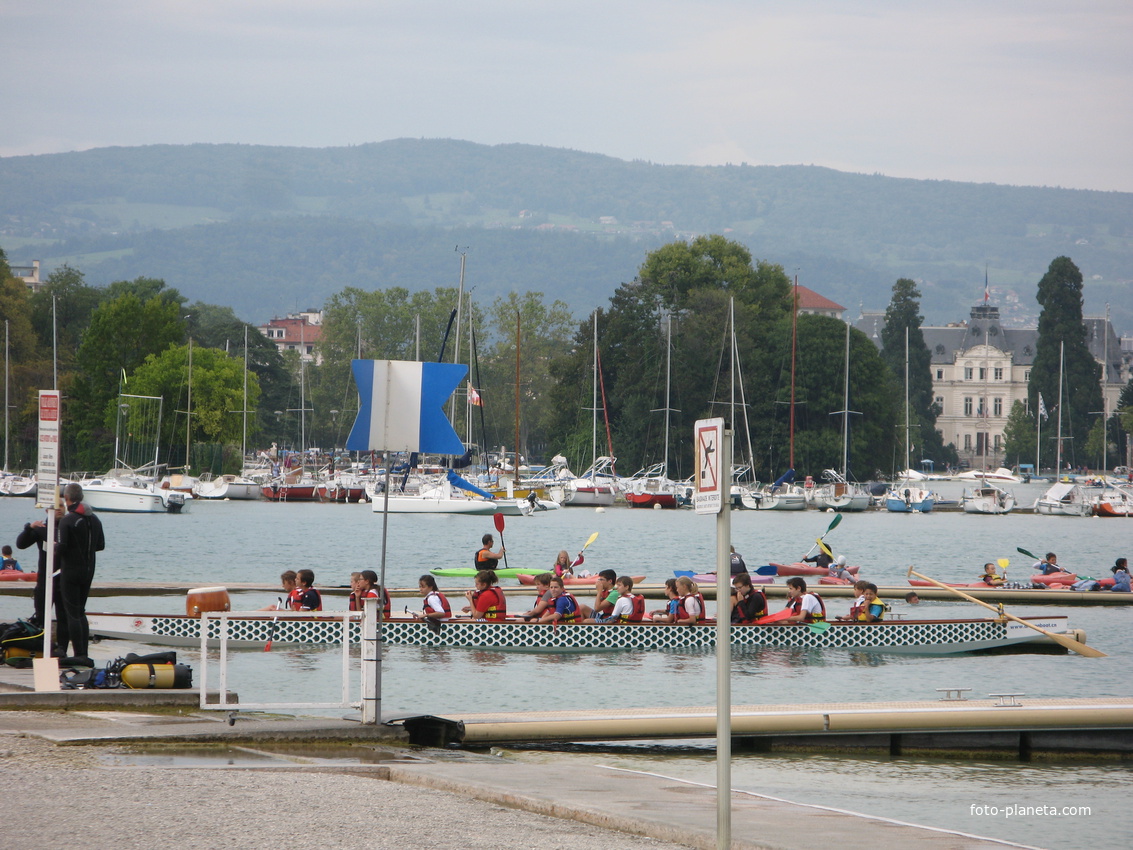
(1003, 562)
(1068, 642)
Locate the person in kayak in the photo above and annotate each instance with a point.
(1048, 565)
(564, 566)
(837, 569)
(822, 559)
(485, 558)
(738, 565)
(805, 607)
(990, 577)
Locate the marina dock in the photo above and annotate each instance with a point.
(1008, 722)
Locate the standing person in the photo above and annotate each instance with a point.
(485, 558)
(805, 607)
(738, 566)
(80, 537)
(306, 597)
(35, 533)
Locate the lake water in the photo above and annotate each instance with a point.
(217, 543)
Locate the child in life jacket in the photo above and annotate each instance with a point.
(305, 597)
(543, 599)
(859, 599)
(564, 608)
(805, 607)
(668, 614)
(690, 610)
(436, 606)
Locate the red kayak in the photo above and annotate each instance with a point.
(16, 575)
(1055, 578)
(801, 569)
(570, 580)
(916, 582)
(833, 580)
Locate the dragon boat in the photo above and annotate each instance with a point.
(253, 630)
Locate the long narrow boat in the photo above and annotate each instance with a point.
(910, 637)
(470, 572)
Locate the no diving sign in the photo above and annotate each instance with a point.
(708, 496)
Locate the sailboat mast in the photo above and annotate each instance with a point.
(794, 343)
(846, 408)
(668, 384)
(1061, 366)
(189, 409)
(6, 408)
(516, 397)
(594, 404)
(1105, 404)
(906, 399)
(244, 432)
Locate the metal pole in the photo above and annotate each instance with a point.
(724, 651)
(371, 663)
(381, 608)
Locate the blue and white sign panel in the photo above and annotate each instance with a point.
(708, 496)
(401, 407)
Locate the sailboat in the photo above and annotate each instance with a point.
(595, 487)
(906, 496)
(652, 487)
(838, 494)
(1064, 498)
(295, 484)
(238, 487)
(126, 489)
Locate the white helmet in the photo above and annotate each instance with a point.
(840, 560)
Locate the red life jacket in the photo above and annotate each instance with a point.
(497, 610)
(796, 606)
(444, 604)
(683, 613)
(293, 598)
(638, 612)
(356, 603)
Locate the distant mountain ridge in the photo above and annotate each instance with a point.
(268, 229)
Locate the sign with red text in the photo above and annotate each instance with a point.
(47, 469)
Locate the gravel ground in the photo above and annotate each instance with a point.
(92, 806)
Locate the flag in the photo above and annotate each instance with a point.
(473, 396)
(1042, 408)
(987, 290)
(400, 406)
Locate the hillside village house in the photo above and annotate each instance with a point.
(297, 332)
(979, 370)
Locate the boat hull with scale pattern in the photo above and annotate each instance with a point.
(252, 630)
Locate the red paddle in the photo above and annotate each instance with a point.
(498, 519)
(271, 637)
(774, 618)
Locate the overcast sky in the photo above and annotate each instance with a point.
(1032, 92)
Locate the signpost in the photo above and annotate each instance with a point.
(46, 669)
(711, 496)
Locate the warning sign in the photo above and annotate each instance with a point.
(708, 497)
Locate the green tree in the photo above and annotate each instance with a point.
(217, 397)
(1124, 416)
(904, 313)
(122, 333)
(1019, 434)
(61, 311)
(1060, 325)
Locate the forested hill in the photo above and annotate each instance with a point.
(271, 229)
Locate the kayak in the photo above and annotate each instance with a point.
(588, 581)
(16, 575)
(470, 572)
(801, 569)
(916, 582)
(1055, 578)
(710, 578)
(834, 580)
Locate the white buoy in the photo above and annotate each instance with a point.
(599, 510)
(656, 506)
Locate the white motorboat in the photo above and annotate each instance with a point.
(124, 491)
(226, 487)
(1002, 475)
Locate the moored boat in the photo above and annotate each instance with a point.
(1064, 500)
(914, 637)
(988, 499)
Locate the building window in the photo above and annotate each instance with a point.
(967, 373)
(999, 373)
(997, 406)
(1027, 375)
(967, 442)
(997, 439)
(983, 374)
(968, 408)
(982, 410)
(940, 374)
(939, 405)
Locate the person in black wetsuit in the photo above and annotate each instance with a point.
(80, 537)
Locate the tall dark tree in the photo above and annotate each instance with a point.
(904, 311)
(1060, 325)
